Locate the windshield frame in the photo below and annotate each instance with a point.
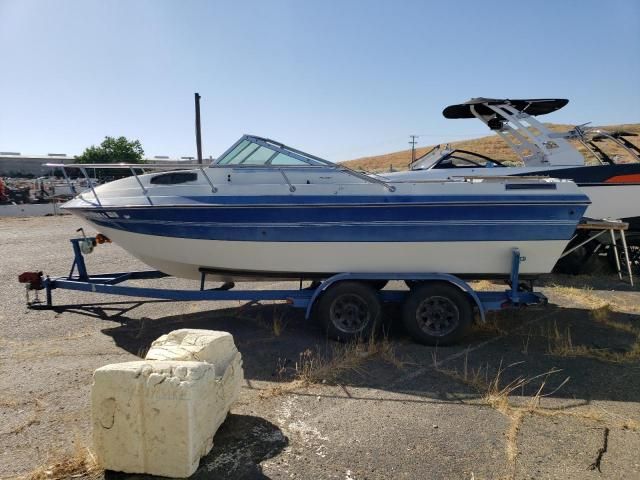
(441, 154)
(304, 159)
(427, 163)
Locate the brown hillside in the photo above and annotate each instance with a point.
(492, 146)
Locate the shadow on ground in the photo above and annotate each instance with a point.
(593, 350)
(241, 444)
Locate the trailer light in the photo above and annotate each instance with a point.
(100, 239)
(32, 279)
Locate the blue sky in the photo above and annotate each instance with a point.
(340, 79)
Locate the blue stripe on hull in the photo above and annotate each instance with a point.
(345, 213)
(347, 223)
(377, 200)
(363, 233)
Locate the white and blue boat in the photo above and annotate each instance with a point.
(266, 210)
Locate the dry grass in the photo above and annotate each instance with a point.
(584, 296)
(491, 325)
(483, 285)
(81, 463)
(603, 315)
(564, 347)
(525, 343)
(562, 344)
(7, 403)
(580, 297)
(314, 366)
(279, 322)
(275, 321)
(76, 335)
(492, 146)
(497, 393)
(34, 418)
(21, 428)
(511, 439)
(497, 396)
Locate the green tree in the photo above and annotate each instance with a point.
(113, 150)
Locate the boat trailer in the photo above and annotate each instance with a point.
(437, 307)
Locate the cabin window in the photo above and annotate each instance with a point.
(173, 178)
(282, 159)
(258, 156)
(236, 152)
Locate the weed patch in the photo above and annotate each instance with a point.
(496, 392)
(322, 366)
(81, 463)
(561, 344)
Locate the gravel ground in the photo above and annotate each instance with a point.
(393, 410)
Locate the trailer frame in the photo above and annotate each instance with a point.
(518, 293)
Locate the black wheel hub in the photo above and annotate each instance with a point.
(634, 257)
(437, 316)
(350, 313)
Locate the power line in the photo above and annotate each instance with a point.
(413, 147)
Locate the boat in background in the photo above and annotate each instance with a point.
(28, 197)
(266, 210)
(612, 186)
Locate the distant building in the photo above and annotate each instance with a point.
(14, 164)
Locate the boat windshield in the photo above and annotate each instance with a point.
(256, 151)
(446, 158)
(429, 159)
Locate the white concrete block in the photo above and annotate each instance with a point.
(209, 346)
(159, 417)
(231, 380)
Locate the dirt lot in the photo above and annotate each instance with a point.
(546, 393)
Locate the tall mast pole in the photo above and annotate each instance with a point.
(198, 131)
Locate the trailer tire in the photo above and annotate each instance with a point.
(349, 310)
(437, 313)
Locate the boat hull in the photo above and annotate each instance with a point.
(314, 229)
(614, 201)
(247, 260)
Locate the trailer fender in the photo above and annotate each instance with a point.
(441, 277)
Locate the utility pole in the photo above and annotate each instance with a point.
(198, 131)
(413, 147)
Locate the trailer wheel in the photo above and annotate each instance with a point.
(437, 313)
(349, 310)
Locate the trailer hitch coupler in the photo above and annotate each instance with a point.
(33, 279)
